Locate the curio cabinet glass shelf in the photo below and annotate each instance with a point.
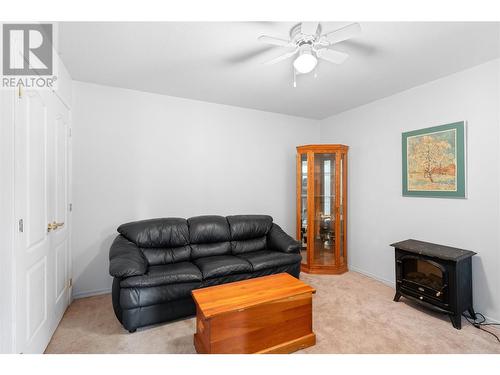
(322, 208)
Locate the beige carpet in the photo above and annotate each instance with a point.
(352, 314)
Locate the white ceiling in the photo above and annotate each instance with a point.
(221, 62)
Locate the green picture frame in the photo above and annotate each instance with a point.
(434, 161)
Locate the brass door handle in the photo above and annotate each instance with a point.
(54, 226)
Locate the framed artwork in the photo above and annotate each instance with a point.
(434, 161)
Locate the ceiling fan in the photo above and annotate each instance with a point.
(307, 40)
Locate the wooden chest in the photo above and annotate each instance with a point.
(270, 314)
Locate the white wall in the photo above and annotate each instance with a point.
(379, 215)
(138, 155)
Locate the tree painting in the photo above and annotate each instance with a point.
(432, 161)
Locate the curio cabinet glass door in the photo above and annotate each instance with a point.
(322, 208)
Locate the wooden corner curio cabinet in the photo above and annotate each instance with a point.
(322, 208)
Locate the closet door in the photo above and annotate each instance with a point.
(33, 278)
(41, 254)
(60, 212)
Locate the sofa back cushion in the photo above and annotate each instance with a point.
(209, 235)
(162, 241)
(161, 256)
(248, 232)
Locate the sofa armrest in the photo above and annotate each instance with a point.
(126, 259)
(278, 240)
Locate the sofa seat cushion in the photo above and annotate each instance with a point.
(175, 273)
(222, 265)
(264, 259)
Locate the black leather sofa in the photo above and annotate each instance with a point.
(157, 263)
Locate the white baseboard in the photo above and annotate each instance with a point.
(491, 320)
(90, 293)
(371, 275)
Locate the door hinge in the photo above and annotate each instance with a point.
(70, 207)
(69, 132)
(70, 283)
(21, 225)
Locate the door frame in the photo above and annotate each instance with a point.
(7, 222)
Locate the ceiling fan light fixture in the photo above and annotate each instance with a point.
(306, 61)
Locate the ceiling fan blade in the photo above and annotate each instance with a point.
(281, 57)
(330, 55)
(274, 41)
(309, 28)
(343, 33)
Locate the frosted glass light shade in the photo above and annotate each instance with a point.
(305, 63)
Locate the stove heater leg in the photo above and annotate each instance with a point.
(397, 296)
(471, 312)
(456, 320)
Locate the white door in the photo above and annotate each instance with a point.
(41, 243)
(60, 237)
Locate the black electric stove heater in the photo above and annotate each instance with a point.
(436, 276)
